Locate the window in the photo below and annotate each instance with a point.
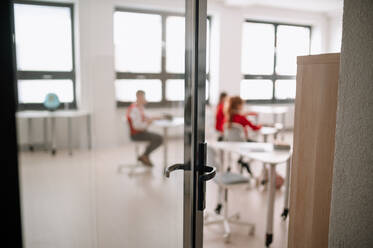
(269, 52)
(150, 55)
(44, 53)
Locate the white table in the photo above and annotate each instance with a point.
(266, 131)
(275, 111)
(53, 115)
(165, 125)
(265, 153)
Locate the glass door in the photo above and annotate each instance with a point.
(111, 123)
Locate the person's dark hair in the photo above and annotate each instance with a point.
(140, 92)
(233, 106)
(222, 96)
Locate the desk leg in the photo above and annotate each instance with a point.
(29, 132)
(271, 205)
(287, 187)
(69, 134)
(45, 133)
(264, 176)
(283, 126)
(165, 151)
(220, 168)
(265, 138)
(53, 135)
(229, 161)
(89, 132)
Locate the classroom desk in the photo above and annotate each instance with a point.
(266, 131)
(165, 125)
(263, 152)
(275, 111)
(52, 116)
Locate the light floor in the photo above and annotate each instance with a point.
(84, 201)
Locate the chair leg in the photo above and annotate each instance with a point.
(138, 163)
(227, 231)
(226, 203)
(227, 228)
(137, 152)
(227, 220)
(133, 167)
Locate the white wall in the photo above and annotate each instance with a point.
(335, 32)
(351, 219)
(95, 51)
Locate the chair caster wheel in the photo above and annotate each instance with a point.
(227, 238)
(252, 231)
(269, 239)
(218, 208)
(237, 216)
(285, 213)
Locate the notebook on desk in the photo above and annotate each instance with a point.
(168, 117)
(254, 149)
(282, 146)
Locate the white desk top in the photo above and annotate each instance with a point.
(263, 152)
(268, 130)
(45, 114)
(32, 114)
(268, 109)
(70, 113)
(177, 121)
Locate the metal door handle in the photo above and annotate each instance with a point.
(209, 173)
(205, 173)
(174, 167)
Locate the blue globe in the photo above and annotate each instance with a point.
(51, 101)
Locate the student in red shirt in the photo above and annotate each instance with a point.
(139, 122)
(235, 115)
(220, 117)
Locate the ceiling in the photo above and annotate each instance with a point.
(306, 5)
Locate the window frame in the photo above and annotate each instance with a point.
(274, 76)
(47, 75)
(163, 75)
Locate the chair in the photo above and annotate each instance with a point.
(226, 181)
(234, 132)
(137, 167)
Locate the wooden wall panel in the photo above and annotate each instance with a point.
(312, 166)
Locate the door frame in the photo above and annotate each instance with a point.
(9, 157)
(194, 133)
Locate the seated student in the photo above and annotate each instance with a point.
(234, 114)
(219, 116)
(139, 122)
